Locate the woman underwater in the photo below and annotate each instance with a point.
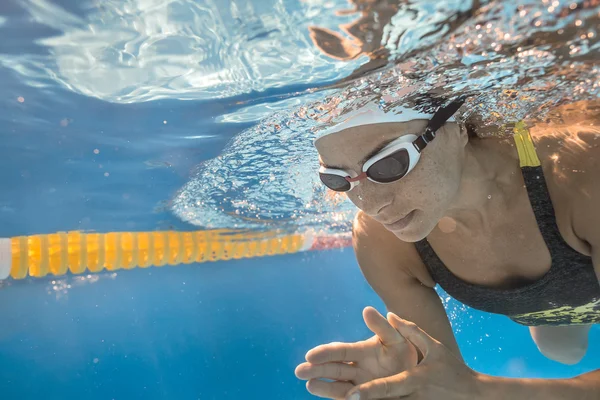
(501, 225)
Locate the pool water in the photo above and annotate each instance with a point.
(145, 115)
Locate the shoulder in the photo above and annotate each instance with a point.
(379, 251)
(570, 156)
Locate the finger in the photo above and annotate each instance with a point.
(328, 390)
(399, 385)
(413, 333)
(335, 371)
(381, 327)
(335, 352)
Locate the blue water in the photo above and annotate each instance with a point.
(233, 330)
(70, 160)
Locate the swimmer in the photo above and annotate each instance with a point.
(505, 225)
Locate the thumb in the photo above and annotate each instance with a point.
(413, 333)
(381, 327)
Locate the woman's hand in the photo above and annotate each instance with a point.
(440, 375)
(350, 364)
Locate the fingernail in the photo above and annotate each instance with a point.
(354, 396)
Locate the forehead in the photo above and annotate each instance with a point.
(348, 147)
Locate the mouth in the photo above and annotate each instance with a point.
(401, 223)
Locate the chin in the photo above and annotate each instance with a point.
(417, 230)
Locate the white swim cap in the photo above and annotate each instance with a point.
(371, 113)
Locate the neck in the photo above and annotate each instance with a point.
(487, 183)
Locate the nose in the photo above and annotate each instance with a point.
(371, 202)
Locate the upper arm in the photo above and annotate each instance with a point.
(395, 271)
(588, 210)
(572, 168)
(596, 259)
(585, 189)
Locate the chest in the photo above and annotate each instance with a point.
(503, 247)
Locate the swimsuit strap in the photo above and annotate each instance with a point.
(527, 154)
(537, 191)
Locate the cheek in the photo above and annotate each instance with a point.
(432, 184)
(447, 180)
(354, 197)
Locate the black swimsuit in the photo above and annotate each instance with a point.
(569, 294)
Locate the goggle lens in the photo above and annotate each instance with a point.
(390, 168)
(335, 182)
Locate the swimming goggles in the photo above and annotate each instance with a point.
(395, 160)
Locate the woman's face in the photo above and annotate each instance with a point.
(420, 199)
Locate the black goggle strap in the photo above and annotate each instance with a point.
(436, 122)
